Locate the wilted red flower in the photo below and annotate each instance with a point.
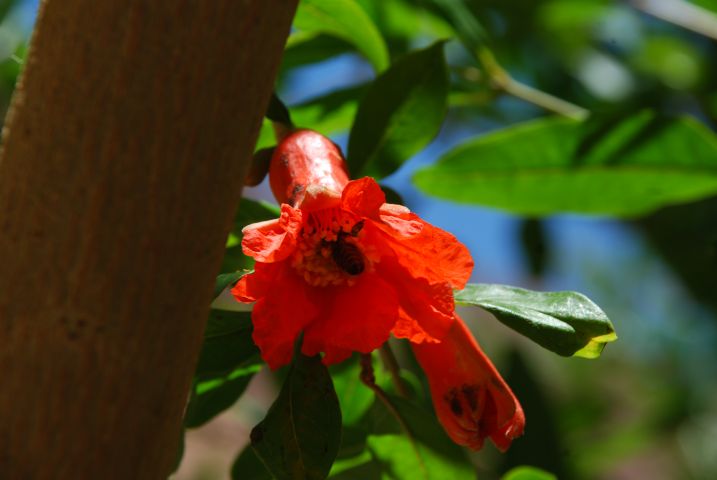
(348, 269)
(470, 397)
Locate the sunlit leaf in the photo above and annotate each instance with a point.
(330, 113)
(528, 473)
(400, 114)
(301, 434)
(566, 323)
(554, 165)
(344, 19)
(426, 454)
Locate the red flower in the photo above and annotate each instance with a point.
(470, 397)
(348, 270)
(342, 265)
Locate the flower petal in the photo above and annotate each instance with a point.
(354, 318)
(273, 240)
(426, 309)
(363, 197)
(255, 285)
(471, 399)
(433, 254)
(279, 316)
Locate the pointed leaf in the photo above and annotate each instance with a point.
(226, 279)
(247, 466)
(228, 361)
(344, 19)
(548, 166)
(301, 434)
(566, 323)
(401, 113)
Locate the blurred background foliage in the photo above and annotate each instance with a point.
(646, 408)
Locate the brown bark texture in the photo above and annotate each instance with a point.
(123, 158)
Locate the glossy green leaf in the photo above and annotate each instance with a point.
(553, 165)
(400, 114)
(566, 323)
(344, 19)
(528, 473)
(301, 434)
(227, 362)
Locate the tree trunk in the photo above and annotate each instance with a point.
(124, 154)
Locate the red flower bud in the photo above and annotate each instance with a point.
(471, 399)
(306, 160)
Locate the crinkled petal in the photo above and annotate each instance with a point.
(255, 285)
(353, 318)
(363, 197)
(400, 221)
(433, 254)
(425, 308)
(471, 399)
(280, 315)
(273, 240)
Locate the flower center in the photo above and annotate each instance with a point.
(330, 250)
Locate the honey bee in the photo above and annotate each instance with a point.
(347, 256)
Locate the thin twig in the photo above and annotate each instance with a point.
(369, 379)
(501, 80)
(389, 361)
(681, 13)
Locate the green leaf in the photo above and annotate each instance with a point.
(427, 454)
(304, 48)
(227, 362)
(464, 22)
(329, 113)
(355, 398)
(227, 343)
(555, 165)
(528, 473)
(401, 113)
(301, 434)
(344, 19)
(226, 279)
(247, 466)
(211, 397)
(566, 323)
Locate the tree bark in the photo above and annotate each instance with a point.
(124, 155)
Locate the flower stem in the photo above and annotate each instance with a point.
(502, 81)
(389, 361)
